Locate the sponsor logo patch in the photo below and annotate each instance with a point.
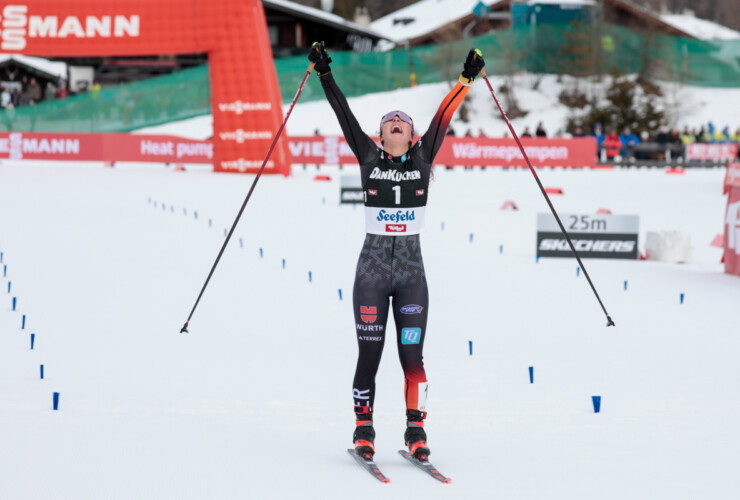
(410, 336)
(419, 192)
(372, 192)
(368, 313)
(412, 309)
(395, 228)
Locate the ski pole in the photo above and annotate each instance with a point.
(249, 194)
(609, 321)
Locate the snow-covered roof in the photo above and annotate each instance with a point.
(51, 67)
(320, 15)
(700, 28)
(427, 15)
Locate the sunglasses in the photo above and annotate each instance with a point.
(400, 114)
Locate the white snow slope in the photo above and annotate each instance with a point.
(255, 402)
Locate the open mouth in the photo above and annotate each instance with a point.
(396, 129)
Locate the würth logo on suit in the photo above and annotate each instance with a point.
(369, 314)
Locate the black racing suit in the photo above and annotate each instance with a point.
(390, 264)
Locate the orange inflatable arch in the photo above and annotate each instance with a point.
(246, 103)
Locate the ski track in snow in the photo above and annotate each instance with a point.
(107, 279)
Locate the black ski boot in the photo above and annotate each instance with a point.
(364, 436)
(415, 437)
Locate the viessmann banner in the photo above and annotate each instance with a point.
(469, 151)
(304, 150)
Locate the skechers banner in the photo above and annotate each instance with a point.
(350, 189)
(595, 236)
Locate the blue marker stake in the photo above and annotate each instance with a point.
(164, 207)
(195, 214)
(184, 211)
(42, 372)
(149, 200)
(23, 323)
(309, 277)
(210, 223)
(597, 403)
(625, 284)
(340, 294)
(33, 338)
(14, 301)
(531, 374)
(443, 226)
(500, 249)
(226, 232)
(681, 298)
(8, 286)
(537, 260)
(470, 347)
(5, 270)
(471, 237)
(261, 253)
(56, 401)
(283, 263)
(323, 200)
(241, 243)
(578, 271)
(172, 208)
(1, 257)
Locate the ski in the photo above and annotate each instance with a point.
(369, 465)
(425, 465)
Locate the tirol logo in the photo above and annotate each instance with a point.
(412, 309)
(395, 228)
(17, 26)
(240, 107)
(398, 216)
(368, 314)
(395, 175)
(419, 192)
(733, 226)
(410, 336)
(240, 135)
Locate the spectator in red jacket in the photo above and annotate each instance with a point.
(612, 144)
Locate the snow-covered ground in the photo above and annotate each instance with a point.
(256, 401)
(685, 106)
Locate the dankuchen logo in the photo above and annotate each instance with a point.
(395, 175)
(368, 314)
(412, 309)
(240, 107)
(17, 26)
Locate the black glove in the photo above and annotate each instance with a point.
(320, 57)
(473, 64)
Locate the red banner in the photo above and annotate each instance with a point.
(732, 228)
(732, 175)
(307, 150)
(711, 151)
(104, 147)
(577, 152)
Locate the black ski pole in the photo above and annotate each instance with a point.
(609, 321)
(249, 194)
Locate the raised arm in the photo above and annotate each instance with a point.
(359, 142)
(431, 141)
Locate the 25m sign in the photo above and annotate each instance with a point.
(593, 236)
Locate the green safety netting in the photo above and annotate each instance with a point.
(580, 49)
